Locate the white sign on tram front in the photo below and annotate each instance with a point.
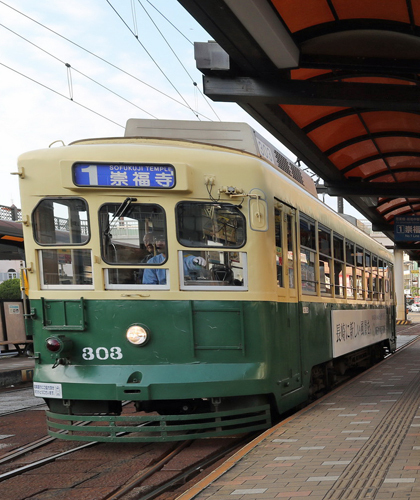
(354, 329)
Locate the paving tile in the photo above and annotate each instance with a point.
(337, 462)
(323, 478)
(400, 480)
(294, 494)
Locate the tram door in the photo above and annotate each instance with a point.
(289, 365)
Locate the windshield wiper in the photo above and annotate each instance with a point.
(120, 212)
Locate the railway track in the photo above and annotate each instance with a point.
(24, 462)
(157, 468)
(183, 476)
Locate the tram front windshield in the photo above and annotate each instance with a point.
(217, 229)
(210, 225)
(135, 234)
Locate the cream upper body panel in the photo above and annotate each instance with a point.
(199, 169)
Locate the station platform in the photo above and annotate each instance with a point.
(361, 441)
(15, 369)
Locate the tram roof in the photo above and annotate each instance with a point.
(337, 82)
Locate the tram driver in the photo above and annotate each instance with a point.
(192, 263)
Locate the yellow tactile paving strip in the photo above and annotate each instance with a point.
(362, 441)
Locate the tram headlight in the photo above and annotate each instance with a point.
(137, 334)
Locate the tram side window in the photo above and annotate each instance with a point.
(324, 243)
(279, 246)
(381, 288)
(359, 273)
(307, 255)
(368, 276)
(338, 244)
(290, 251)
(61, 221)
(350, 270)
(389, 279)
(375, 281)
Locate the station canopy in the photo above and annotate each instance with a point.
(11, 240)
(337, 82)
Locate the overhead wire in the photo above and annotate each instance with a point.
(166, 41)
(69, 68)
(178, 59)
(61, 95)
(101, 58)
(152, 58)
(170, 22)
(133, 13)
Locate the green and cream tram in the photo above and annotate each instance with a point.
(190, 269)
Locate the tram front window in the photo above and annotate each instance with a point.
(210, 225)
(65, 268)
(62, 221)
(134, 234)
(215, 228)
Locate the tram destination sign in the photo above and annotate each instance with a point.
(121, 175)
(407, 228)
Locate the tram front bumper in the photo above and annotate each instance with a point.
(156, 382)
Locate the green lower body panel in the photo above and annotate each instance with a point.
(208, 368)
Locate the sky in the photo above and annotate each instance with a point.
(76, 69)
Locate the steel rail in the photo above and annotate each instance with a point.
(12, 412)
(187, 474)
(39, 463)
(22, 450)
(139, 478)
(52, 458)
(25, 449)
(194, 470)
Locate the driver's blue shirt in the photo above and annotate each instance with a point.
(158, 276)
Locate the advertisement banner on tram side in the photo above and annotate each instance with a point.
(353, 329)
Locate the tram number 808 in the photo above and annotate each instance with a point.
(101, 353)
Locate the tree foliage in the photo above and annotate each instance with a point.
(10, 289)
